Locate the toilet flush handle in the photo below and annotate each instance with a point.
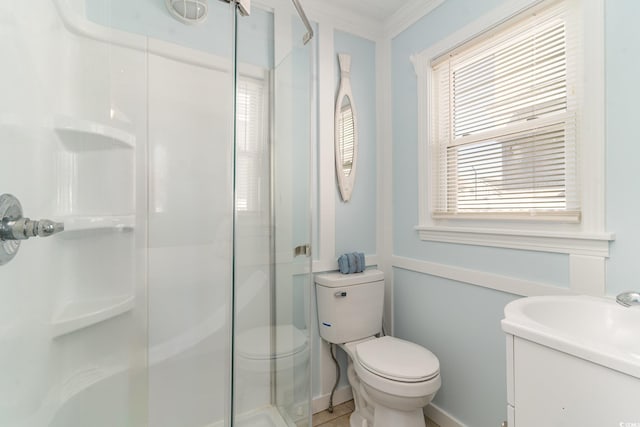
(340, 294)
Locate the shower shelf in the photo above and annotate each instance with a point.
(90, 223)
(76, 315)
(81, 135)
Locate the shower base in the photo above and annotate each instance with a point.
(267, 416)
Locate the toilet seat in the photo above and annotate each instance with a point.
(253, 344)
(398, 360)
(383, 371)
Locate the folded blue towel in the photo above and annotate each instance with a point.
(361, 263)
(343, 264)
(350, 263)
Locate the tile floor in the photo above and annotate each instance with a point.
(340, 417)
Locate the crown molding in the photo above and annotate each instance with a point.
(408, 15)
(358, 24)
(343, 19)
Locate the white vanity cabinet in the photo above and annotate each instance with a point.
(547, 387)
(572, 361)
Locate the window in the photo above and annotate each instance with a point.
(511, 130)
(252, 162)
(504, 125)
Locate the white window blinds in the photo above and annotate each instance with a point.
(251, 143)
(505, 122)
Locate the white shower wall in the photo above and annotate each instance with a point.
(73, 306)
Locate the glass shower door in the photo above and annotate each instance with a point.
(189, 117)
(272, 227)
(292, 210)
(72, 305)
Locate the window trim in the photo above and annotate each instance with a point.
(587, 237)
(253, 204)
(259, 73)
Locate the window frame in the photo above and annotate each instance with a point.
(254, 200)
(586, 237)
(259, 217)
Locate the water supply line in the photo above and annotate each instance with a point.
(333, 390)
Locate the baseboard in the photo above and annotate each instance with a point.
(441, 417)
(320, 403)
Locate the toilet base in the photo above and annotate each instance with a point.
(385, 417)
(357, 420)
(377, 408)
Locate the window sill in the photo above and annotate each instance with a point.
(594, 244)
(570, 217)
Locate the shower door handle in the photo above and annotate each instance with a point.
(14, 227)
(302, 250)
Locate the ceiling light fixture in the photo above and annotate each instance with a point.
(188, 11)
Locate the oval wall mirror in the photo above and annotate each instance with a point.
(346, 131)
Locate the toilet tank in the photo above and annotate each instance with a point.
(349, 305)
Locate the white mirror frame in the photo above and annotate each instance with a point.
(345, 183)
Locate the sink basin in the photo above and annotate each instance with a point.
(594, 329)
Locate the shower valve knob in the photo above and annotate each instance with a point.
(24, 228)
(14, 227)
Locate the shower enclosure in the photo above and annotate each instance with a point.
(176, 156)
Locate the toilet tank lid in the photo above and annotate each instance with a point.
(338, 280)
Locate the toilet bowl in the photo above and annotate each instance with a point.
(258, 358)
(395, 379)
(391, 379)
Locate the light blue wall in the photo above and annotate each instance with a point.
(461, 325)
(356, 219)
(465, 332)
(623, 143)
(214, 35)
(437, 25)
(450, 16)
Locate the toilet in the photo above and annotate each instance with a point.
(391, 379)
(258, 358)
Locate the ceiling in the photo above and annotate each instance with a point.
(378, 10)
(370, 18)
